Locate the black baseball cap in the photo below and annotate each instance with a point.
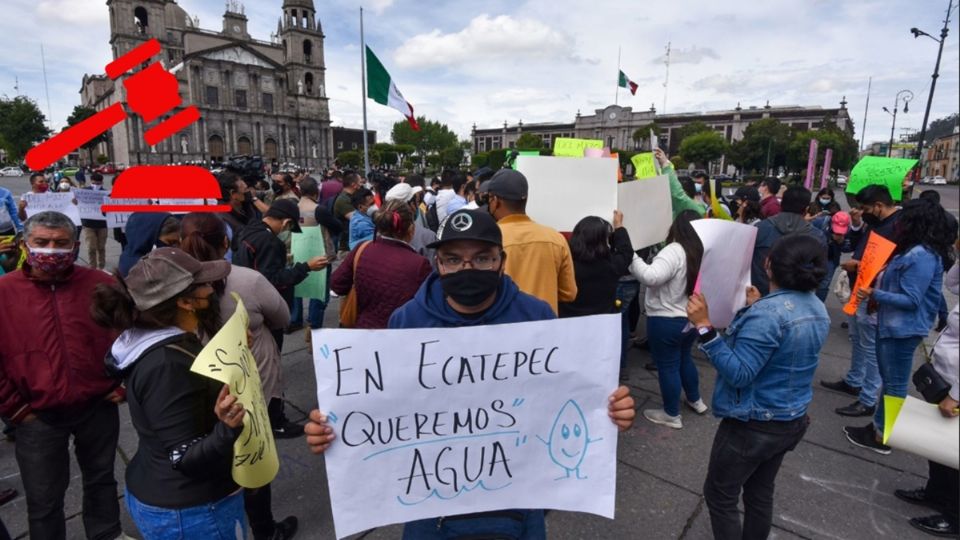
(285, 209)
(507, 184)
(468, 225)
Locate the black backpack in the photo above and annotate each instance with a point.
(433, 220)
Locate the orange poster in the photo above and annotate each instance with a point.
(875, 256)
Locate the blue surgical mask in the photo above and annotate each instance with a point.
(698, 187)
(825, 202)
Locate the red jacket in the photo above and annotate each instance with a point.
(388, 276)
(51, 351)
(770, 206)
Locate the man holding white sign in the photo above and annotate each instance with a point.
(553, 461)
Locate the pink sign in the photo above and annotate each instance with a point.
(825, 176)
(811, 164)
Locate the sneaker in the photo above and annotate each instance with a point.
(288, 430)
(698, 406)
(841, 386)
(855, 409)
(937, 525)
(659, 416)
(866, 437)
(286, 528)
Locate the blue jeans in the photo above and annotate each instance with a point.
(895, 358)
(864, 373)
(670, 347)
(627, 292)
(315, 312)
(221, 520)
(823, 290)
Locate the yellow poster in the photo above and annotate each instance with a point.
(227, 359)
(566, 147)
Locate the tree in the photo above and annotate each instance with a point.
(479, 160)
(529, 141)
(432, 138)
(451, 157)
(938, 128)
(704, 147)
(692, 129)
(642, 133)
(845, 148)
(764, 145)
(102, 159)
(350, 159)
(79, 114)
(679, 164)
(21, 126)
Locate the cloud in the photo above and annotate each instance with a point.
(379, 6)
(73, 12)
(693, 55)
(484, 38)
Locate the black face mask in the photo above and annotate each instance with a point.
(470, 287)
(248, 197)
(277, 188)
(871, 220)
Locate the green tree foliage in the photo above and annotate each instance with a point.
(102, 159)
(529, 141)
(451, 157)
(21, 126)
(432, 138)
(679, 163)
(479, 160)
(350, 159)
(763, 139)
(692, 129)
(642, 134)
(940, 127)
(703, 147)
(845, 148)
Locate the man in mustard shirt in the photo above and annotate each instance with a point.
(538, 257)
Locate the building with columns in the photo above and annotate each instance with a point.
(615, 125)
(255, 97)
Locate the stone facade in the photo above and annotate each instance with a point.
(943, 157)
(255, 97)
(351, 140)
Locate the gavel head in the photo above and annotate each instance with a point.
(152, 92)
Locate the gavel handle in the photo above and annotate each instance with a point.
(50, 151)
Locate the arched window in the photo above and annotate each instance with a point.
(244, 146)
(308, 83)
(215, 147)
(270, 149)
(307, 50)
(296, 19)
(141, 19)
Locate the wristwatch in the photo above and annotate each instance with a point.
(706, 333)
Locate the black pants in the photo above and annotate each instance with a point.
(42, 452)
(746, 456)
(257, 504)
(943, 486)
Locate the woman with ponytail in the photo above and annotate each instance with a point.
(386, 271)
(204, 236)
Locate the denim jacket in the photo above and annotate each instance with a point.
(909, 294)
(766, 360)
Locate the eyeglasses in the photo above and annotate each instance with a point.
(480, 262)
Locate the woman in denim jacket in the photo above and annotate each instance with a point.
(906, 303)
(765, 365)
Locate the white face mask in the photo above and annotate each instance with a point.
(64, 187)
(372, 210)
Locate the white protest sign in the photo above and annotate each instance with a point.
(917, 427)
(118, 220)
(57, 202)
(185, 202)
(443, 421)
(647, 212)
(725, 269)
(562, 191)
(89, 202)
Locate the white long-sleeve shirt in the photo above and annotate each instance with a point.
(946, 352)
(666, 281)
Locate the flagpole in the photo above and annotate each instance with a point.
(616, 100)
(363, 91)
(866, 109)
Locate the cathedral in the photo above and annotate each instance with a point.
(255, 97)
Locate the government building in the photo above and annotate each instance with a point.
(255, 97)
(615, 125)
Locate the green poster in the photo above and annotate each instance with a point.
(305, 246)
(574, 147)
(644, 165)
(871, 170)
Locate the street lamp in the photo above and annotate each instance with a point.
(906, 96)
(936, 72)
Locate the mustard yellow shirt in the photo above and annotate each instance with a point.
(538, 260)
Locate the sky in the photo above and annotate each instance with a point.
(465, 63)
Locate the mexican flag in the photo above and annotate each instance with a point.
(625, 82)
(380, 88)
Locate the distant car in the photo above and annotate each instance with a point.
(841, 180)
(11, 171)
(107, 168)
(69, 171)
(938, 181)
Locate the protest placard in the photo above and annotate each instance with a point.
(875, 256)
(644, 165)
(445, 421)
(56, 202)
(647, 214)
(884, 171)
(118, 220)
(305, 246)
(918, 427)
(563, 191)
(524, 153)
(725, 269)
(227, 358)
(89, 202)
(566, 147)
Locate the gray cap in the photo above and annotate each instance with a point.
(166, 272)
(507, 184)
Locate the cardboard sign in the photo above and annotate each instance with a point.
(305, 246)
(118, 220)
(565, 147)
(875, 256)
(644, 165)
(445, 421)
(564, 191)
(725, 269)
(647, 214)
(227, 359)
(89, 202)
(918, 427)
(871, 170)
(55, 202)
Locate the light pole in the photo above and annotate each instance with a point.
(936, 72)
(906, 96)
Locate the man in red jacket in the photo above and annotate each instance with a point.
(53, 383)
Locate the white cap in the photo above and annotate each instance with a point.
(403, 192)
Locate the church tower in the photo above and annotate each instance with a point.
(302, 41)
